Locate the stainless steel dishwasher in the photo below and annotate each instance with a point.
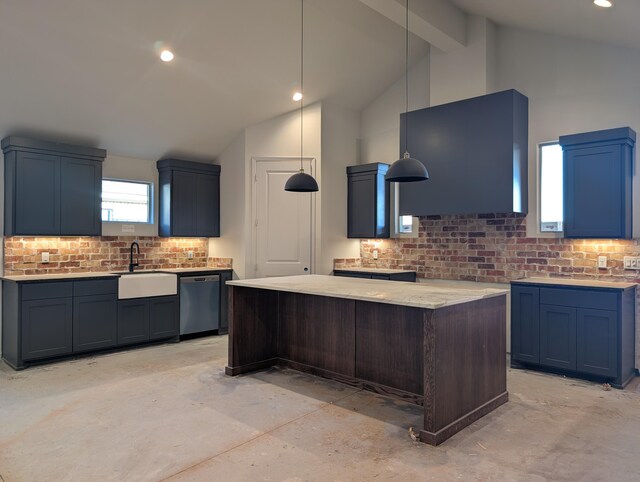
(199, 304)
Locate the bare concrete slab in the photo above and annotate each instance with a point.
(168, 412)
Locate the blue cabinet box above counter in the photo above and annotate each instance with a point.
(598, 172)
(51, 189)
(476, 152)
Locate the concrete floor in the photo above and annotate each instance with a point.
(169, 413)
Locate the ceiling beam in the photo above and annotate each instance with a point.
(438, 22)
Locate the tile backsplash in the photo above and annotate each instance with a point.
(22, 255)
(494, 248)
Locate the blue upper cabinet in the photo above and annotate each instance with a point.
(367, 201)
(598, 183)
(189, 198)
(476, 153)
(52, 189)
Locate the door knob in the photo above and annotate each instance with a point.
(306, 269)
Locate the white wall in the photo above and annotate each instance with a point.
(230, 244)
(465, 72)
(380, 121)
(277, 137)
(573, 86)
(129, 168)
(340, 130)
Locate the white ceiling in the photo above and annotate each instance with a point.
(572, 18)
(86, 70)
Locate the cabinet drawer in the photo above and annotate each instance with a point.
(599, 300)
(95, 287)
(43, 291)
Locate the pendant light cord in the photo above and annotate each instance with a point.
(406, 78)
(301, 79)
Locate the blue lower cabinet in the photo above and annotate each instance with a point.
(52, 319)
(147, 319)
(581, 331)
(409, 276)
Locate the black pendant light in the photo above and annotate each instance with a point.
(406, 169)
(301, 181)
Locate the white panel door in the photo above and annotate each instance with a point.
(283, 224)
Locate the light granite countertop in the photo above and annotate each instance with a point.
(616, 285)
(101, 274)
(192, 270)
(419, 295)
(375, 270)
(59, 276)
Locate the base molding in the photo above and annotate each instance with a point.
(436, 438)
(250, 367)
(354, 382)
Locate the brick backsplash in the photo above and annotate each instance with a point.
(220, 263)
(494, 248)
(22, 255)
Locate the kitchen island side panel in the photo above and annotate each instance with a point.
(253, 329)
(465, 365)
(389, 345)
(318, 331)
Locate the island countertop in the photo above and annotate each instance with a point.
(419, 295)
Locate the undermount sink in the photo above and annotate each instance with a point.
(143, 285)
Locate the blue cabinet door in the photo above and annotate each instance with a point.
(208, 206)
(525, 324)
(46, 328)
(558, 337)
(95, 322)
(164, 317)
(594, 193)
(80, 197)
(37, 195)
(183, 204)
(597, 342)
(133, 321)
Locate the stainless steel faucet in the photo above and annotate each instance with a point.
(131, 263)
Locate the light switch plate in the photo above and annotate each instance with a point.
(45, 257)
(190, 254)
(602, 261)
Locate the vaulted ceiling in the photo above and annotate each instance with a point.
(87, 70)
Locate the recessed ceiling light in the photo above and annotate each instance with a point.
(297, 96)
(603, 3)
(166, 55)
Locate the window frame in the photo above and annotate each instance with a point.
(539, 232)
(150, 195)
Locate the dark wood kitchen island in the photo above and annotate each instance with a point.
(438, 347)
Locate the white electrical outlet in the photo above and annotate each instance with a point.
(190, 254)
(375, 254)
(602, 261)
(631, 262)
(45, 257)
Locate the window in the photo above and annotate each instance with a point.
(551, 216)
(126, 201)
